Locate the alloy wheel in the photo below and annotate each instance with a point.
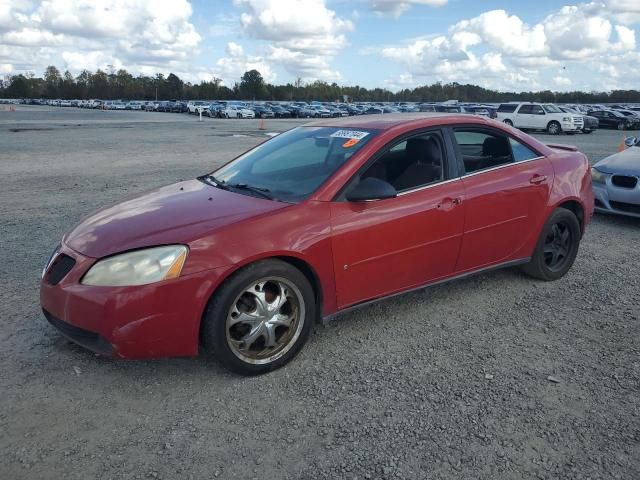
(557, 246)
(265, 320)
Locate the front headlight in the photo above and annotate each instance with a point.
(597, 176)
(139, 267)
(566, 119)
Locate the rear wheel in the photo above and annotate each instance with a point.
(557, 246)
(260, 318)
(554, 128)
(508, 122)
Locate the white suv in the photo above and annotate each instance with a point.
(539, 116)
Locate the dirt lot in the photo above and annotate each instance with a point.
(450, 382)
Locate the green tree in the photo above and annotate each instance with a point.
(52, 80)
(252, 86)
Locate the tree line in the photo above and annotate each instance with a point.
(121, 84)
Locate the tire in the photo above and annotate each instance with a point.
(620, 126)
(508, 122)
(224, 334)
(554, 256)
(554, 128)
(587, 131)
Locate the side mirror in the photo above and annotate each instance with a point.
(371, 188)
(631, 141)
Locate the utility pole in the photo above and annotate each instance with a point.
(156, 94)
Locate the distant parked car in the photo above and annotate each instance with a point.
(233, 111)
(261, 111)
(179, 107)
(590, 123)
(613, 119)
(616, 181)
(539, 116)
(133, 105)
(632, 115)
(164, 106)
(320, 111)
(197, 106)
(280, 112)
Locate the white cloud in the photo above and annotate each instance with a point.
(303, 35)
(506, 33)
(562, 81)
(398, 7)
(496, 48)
(233, 66)
(131, 33)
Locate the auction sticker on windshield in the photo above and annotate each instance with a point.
(349, 134)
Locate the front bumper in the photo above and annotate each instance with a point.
(148, 321)
(572, 127)
(615, 200)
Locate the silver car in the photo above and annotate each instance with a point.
(616, 181)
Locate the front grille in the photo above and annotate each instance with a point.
(82, 337)
(626, 207)
(624, 181)
(59, 268)
(598, 203)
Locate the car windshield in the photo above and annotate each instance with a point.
(292, 165)
(552, 109)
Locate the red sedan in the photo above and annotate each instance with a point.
(317, 220)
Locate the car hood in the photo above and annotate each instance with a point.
(178, 213)
(626, 162)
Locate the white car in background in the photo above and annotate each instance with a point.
(197, 106)
(539, 116)
(320, 111)
(233, 111)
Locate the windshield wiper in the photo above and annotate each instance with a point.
(264, 192)
(211, 180)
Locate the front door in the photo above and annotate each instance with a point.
(386, 246)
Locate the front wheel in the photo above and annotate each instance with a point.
(554, 128)
(557, 246)
(260, 318)
(621, 126)
(587, 131)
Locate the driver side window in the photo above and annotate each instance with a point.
(415, 162)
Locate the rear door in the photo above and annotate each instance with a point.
(538, 117)
(505, 196)
(523, 117)
(387, 246)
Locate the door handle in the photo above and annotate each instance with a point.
(537, 179)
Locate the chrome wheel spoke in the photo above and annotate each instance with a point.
(265, 320)
(270, 336)
(281, 321)
(245, 343)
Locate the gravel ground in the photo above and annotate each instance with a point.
(493, 377)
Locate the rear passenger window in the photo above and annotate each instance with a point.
(526, 109)
(507, 107)
(481, 150)
(520, 152)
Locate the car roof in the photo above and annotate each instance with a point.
(388, 121)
